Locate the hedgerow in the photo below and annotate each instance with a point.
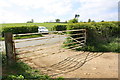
(59, 27)
(20, 30)
(101, 36)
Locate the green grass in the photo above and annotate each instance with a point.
(17, 69)
(48, 25)
(21, 71)
(27, 36)
(24, 36)
(113, 46)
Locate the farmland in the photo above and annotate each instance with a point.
(48, 25)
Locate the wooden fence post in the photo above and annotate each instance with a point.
(9, 48)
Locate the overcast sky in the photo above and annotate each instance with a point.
(20, 11)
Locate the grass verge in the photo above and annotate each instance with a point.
(21, 71)
(112, 46)
(25, 36)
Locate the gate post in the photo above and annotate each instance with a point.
(9, 48)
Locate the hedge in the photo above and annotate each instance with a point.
(59, 27)
(99, 35)
(20, 30)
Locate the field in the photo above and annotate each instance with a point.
(48, 25)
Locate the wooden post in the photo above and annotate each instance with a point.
(9, 48)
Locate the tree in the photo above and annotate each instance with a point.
(57, 20)
(89, 20)
(65, 21)
(29, 22)
(32, 20)
(93, 20)
(77, 15)
(73, 20)
(102, 21)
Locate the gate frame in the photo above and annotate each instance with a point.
(10, 48)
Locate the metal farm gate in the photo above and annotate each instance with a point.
(63, 40)
(70, 39)
(20, 50)
(56, 42)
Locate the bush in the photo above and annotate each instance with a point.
(73, 20)
(20, 30)
(59, 27)
(99, 35)
(13, 77)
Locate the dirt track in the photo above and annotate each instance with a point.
(56, 61)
